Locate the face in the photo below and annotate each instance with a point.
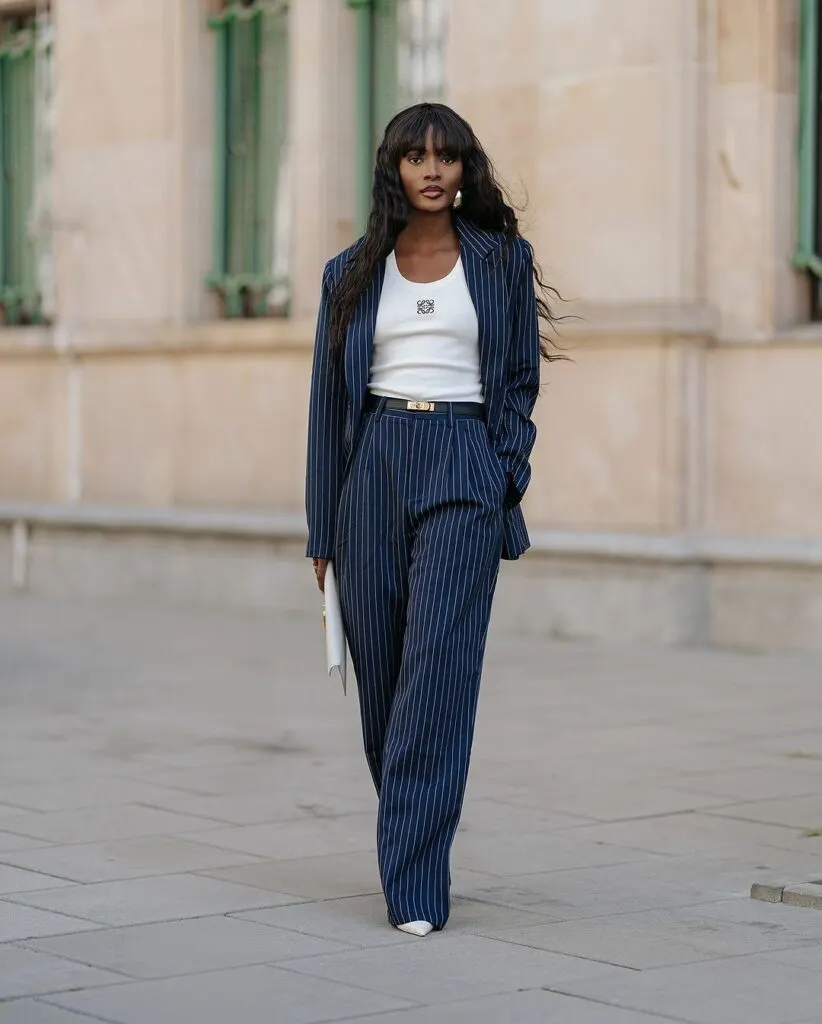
(430, 177)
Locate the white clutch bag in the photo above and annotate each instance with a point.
(335, 646)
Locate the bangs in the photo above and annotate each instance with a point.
(408, 131)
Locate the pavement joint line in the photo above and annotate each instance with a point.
(557, 952)
(126, 980)
(141, 979)
(656, 1014)
(225, 823)
(80, 1015)
(144, 924)
(403, 1009)
(532, 909)
(107, 926)
(7, 898)
(661, 815)
(754, 821)
(354, 1019)
(142, 878)
(350, 984)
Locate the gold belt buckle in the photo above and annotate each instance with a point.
(420, 406)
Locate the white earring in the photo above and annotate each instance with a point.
(458, 199)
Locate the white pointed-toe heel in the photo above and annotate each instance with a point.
(420, 928)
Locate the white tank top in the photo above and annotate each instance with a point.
(426, 340)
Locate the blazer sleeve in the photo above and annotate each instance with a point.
(326, 422)
(518, 433)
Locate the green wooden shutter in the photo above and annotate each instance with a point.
(19, 291)
(251, 123)
(384, 64)
(807, 255)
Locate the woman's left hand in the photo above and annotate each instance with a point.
(320, 566)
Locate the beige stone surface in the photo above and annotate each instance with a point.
(598, 85)
(241, 431)
(32, 429)
(751, 170)
(112, 177)
(129, 428)
(208, 429)
(764, 443)
(653, 145)
(603, 431)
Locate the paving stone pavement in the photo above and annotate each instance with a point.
(187, 833)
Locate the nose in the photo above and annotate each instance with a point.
(432, 168)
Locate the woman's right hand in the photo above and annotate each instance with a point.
(320, 566)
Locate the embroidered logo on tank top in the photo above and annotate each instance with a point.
(425, 307)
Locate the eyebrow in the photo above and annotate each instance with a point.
(421, 150)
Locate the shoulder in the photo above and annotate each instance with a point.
(335, 267)
(522, 254)
(519, 262)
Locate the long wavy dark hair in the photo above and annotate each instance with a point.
(485, 203)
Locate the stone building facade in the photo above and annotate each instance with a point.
(151, 442)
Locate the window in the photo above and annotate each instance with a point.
(250, 267)
(809, 246)
(409, 56)
(25, 86)
(401, 60)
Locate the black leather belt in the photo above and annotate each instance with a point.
(476, 410)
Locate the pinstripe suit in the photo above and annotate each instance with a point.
(416, 509)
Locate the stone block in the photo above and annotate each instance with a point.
(758, 475)
(358, 920)
(15, 879)
(459, 968)
(288, 840)
(196, 946)
(728, 990)
(807, 895)
(767, 893)
(146, 900)
(642, 941)
(611, 471)
(253, 995)
(536, 1006)
(123, 821)
(24, 972)
(22, 922)
(32, 428)
(336, 876)
(138, 857)
(33, 1011)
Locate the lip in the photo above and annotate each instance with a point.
(433, 192)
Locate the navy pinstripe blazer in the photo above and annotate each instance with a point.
(502, 291)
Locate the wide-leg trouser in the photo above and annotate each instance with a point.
(418, 551)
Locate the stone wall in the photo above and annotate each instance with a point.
(655, 143)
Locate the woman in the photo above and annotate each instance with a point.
(426, 371)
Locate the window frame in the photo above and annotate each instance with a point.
(21, 248)
(246, 289)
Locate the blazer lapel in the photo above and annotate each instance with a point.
(359, 348)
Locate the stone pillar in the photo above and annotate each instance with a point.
(321, 142)
(751, 153)
(114, 163)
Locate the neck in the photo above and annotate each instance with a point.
(428, 230)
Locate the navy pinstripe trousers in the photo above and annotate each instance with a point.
(419, 541)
